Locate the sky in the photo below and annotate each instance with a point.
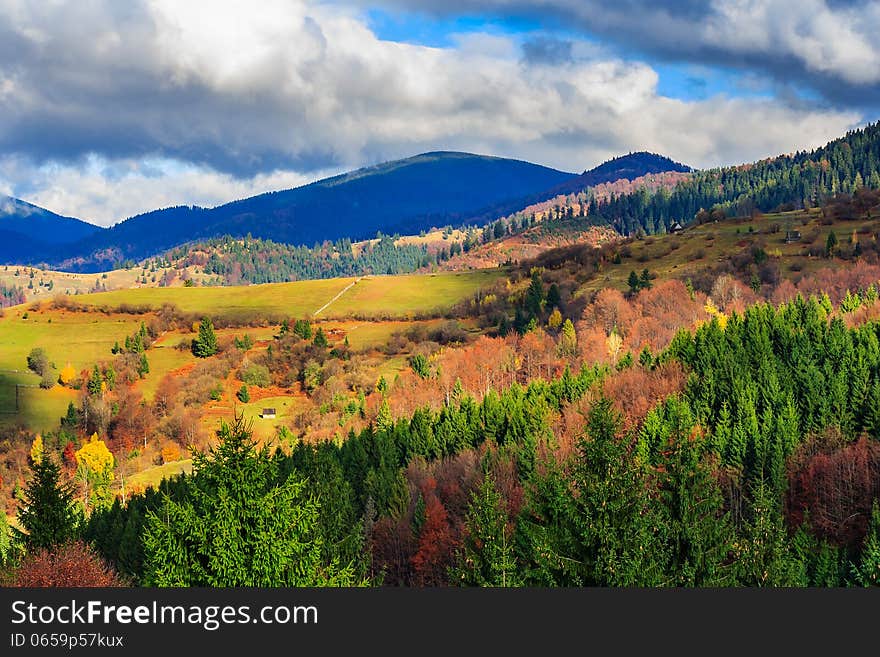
(109, 109)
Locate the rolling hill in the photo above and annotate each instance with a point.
(405, 196)
(29, 232)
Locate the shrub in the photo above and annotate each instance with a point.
(255, 375)
(74, 564)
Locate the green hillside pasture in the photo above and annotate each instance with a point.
(80, 339)
(271, 301)
(152, 477)
(379, 297)
(286, 407)
(38, 410)
(409, 296)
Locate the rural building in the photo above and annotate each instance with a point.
(792, 236)
(268, 414)
(676, 227)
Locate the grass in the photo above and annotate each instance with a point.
(80, 339)
(408, 296)
(39, 410)
(152, 477)
(393, 297)
(297, 299)
(285, 407)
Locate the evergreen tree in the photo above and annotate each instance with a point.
(764, 556)
(830, 244)
(243, 394)
(143, 366)
(696, 528)
(320, 339)
(5, 540)
(867, 573)
(303, 329)
(95, 384)
(634, 283)
(534, 301)
(205, 344)
(554, 298)
(242, 522)
(48, 515)
(486, 556)
(596, 526)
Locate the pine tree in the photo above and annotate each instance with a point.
(242, 522)
(697, 530)
(5, 539)
(763, 554)
(534, 301)
(867, 573)
(143, 366)
(486, 556)
(95, 383)
(48, 516)
(320, 339)
(206, 343)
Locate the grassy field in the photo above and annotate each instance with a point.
(79, 339)
(372, 296)
(76, 338)
(48, 283)
(408, 296)
(286, 406)
(39, 410)
(152, 477)
(297, 299)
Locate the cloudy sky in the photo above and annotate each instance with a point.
(112, 108)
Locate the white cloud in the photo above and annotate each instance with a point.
(200, 102)
(107, 192)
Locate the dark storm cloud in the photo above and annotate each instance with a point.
(547, 50)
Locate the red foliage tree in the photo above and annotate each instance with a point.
(835, 487)
(436, 546)
(74, 564)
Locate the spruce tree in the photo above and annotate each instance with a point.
(867, 572)
(486, 556)
(206, 343)
(242, 521)
(48, 516)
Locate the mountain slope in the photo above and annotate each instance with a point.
(405, 196)
(802, 180)
(27, 231)
(625, 167)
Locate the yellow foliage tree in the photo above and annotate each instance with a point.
(37, 449)
(170, 452)
(712, 310)
(67, 375)
(555, 319)
(95, 469)
(614, 342)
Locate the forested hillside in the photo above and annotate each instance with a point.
(803, 179)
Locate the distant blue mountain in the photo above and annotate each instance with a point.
(28, 231)
(404, 196)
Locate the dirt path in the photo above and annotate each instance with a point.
(343, 291)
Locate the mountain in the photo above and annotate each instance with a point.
(404, 196)
(28, 231)
(786, 182)
(625, 167)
